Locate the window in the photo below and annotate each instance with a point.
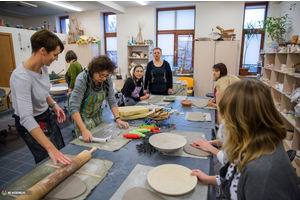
(253, 36)
(175, 33)
(64, 24)
(110, 36)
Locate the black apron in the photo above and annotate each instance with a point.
(159, 80)
(47, 123)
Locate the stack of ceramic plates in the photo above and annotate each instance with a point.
(58, 90)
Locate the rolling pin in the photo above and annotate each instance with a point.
(44, 186)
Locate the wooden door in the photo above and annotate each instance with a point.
(204, 59)
(7, 58)
(227, 53)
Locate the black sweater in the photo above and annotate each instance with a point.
(159, 79)
(128, 88)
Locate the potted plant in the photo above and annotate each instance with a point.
(250, 34)
(276, 26)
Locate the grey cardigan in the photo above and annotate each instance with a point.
(80, 89)
(270, 177)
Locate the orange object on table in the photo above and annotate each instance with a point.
(132, 136)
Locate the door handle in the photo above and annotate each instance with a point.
(10, 71)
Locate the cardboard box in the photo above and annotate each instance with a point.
(4, 100)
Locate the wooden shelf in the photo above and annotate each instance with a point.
(276, 89)
(291, 121)
(268, 69)
(265, 83)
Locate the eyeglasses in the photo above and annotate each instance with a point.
(104, 76)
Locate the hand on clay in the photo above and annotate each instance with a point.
(61, 117)
(59, 157)
(203, 145)
(203, 178)
(210, 102)
(145, 97)
(145, 91)
(121, 124)
(87, 136)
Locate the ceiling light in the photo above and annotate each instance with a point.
(64, 5)
(28, 4)
(142, 3)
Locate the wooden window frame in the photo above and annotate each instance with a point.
(60, 18)
(107, 34)
(258, 31)
(176, 32)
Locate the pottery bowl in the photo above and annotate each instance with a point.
(167, 142)
(58, 90)
(186, 103)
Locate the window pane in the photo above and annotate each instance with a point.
(251, 57)
(166, 20)
(185, 52)
(110, 24)
(253, 15)
(185, 19)
(166, 43)
(111, 48)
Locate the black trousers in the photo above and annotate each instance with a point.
(48, 125)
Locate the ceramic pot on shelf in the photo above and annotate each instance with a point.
(244, 71)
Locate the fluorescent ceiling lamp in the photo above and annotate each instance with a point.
(64, 5)
(142, 3)
(28, 4)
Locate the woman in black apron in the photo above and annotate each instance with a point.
(158, 75)
(30, 86)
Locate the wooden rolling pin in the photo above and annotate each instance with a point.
(44, 186)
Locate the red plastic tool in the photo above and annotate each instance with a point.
(132, 136)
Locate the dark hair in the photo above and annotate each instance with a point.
(46, 39)
(222, 68)
(70, 55)
(133, 76)
(101, 63)
(157, 48)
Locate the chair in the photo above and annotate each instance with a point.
(190, 84)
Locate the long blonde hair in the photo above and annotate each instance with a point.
(223, 83)
(253, 125)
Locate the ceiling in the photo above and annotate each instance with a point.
(18, 9)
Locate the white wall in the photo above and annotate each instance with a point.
(90, 22)
(294, 14)
(24, 54)
(127, 25)
(12, 21)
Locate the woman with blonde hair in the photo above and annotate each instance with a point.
(258, 166)
(221, 86)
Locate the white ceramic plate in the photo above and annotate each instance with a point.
(167, 142)
(171, 179)
(58, 90)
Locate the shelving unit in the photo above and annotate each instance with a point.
(146, 49)
(288, 80)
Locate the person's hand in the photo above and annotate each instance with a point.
(145, 97)
(145, 91)
(61, 117)
(69, 90)
(210, 102)
(121, 123)
(170, 90)
(59, 157)
(203, 145)
(203, 178)
(87, 136)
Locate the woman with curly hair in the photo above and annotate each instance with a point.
(258, 167)
(85, 101)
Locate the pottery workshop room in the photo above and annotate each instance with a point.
(150, 100)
